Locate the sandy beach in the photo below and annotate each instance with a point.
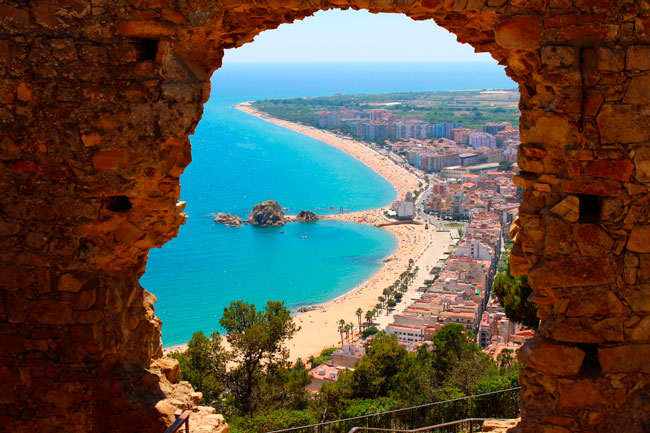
(319, 326)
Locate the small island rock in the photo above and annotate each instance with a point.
(307, 216)
(226, 218)
(267, 213)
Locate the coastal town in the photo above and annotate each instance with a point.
(453, 215)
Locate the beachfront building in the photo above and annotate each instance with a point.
(370, 131)
(482, 139)
(405, 210)
(347, 356)
(461, 135)
(324, 373)
(469, 158)
(405, 130)
(494, 128)
(443, 130)
(474, 248)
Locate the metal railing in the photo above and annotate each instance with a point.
(183, 418)
(463, 425)
(497, 404)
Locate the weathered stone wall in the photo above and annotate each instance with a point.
(97, 100)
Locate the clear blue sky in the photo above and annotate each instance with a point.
(347, 36)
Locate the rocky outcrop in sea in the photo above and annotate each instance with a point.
(226, 218)
(306, 216)
(267, 213)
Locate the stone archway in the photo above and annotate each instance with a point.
(97, 100)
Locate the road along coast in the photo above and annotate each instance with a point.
(319, 327)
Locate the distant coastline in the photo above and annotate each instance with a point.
(402, 180)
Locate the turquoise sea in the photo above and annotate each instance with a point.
(239, 160)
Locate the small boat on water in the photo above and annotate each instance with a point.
(281, 231)
(304, 237)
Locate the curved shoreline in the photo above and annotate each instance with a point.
(319, 326)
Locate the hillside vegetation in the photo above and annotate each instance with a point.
(255, 386)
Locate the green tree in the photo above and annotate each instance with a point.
(370, 314)
(453, 342)
(468, 371)
(324, 357)
(372, 330)
(377, 372)
(512, 293)
(359, 313)
(341, 330)
(256, 350)
(196, 366)
(273, 419)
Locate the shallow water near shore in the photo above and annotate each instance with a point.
(238, 161)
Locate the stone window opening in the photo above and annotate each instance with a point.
(589, 209)
(118, 203)
(147, 49)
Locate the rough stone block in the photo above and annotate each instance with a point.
(619, 170)
(629, 358)
(144, 29)
(607, 188)
(610, 60)
(581, 393)
(641, 331)
(597, 302)
(592, 240)
(638, 58)
(585, 330)
(577, 272)
(519, 265)
(568, 208)
(519, 33)
(69, 283)
(170, 368)
(639, 240)
(638, 91)
(110, 159)
(611, 118)
(552, 358)
(559, 237)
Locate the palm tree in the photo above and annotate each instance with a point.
(351, 333)
(369, 315)
(341, 329)
(381, 300)
(359, 313)
(377, 308)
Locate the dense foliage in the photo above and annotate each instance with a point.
(252, 383)
(513, 293)
(250, 373)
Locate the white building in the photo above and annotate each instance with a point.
(405, 210)
(481, 139)
(475, 249)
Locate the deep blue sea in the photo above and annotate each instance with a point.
(240, 160)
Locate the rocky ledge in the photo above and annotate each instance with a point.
(306, 216)
(267, 213)
(226, 218)
(176, 396)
